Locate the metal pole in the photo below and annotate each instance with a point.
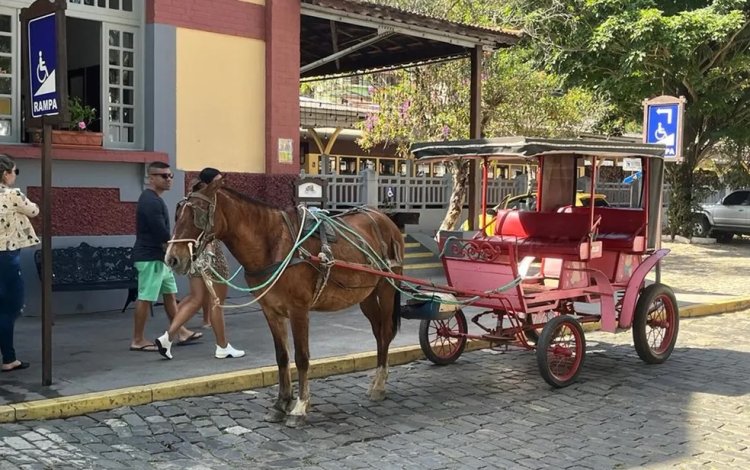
(475, 130)
(46, 253)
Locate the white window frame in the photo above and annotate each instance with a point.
(133, 22)
(138, 104)
(15, 77)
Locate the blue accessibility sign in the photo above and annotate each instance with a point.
(663, 126)
(45, 96)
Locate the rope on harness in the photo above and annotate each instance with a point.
(410, 290)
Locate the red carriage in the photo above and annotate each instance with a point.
(584, 257)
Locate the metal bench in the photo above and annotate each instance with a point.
(86, 267)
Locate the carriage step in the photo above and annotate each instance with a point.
(419, 261)
(416, 266)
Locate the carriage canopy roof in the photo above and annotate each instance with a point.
(528, 147)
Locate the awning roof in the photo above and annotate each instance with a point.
(527, 147)
(340, 37)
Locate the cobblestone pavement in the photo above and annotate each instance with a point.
(489, 410)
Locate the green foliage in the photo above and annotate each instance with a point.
(431, 103)
(630, 50)
(81, 116)
(734, 165)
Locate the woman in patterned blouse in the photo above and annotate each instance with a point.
(16, 232)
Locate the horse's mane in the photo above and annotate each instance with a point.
(244, 197)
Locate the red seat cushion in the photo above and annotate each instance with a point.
(620, 229)
(546, 234)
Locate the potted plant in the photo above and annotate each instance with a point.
(77, 133)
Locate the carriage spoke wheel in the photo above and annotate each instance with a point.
(531, 333)
(560, 351)
(655, 324)
(443, 341)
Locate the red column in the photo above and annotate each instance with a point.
(282, 83)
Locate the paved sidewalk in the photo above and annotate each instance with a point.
(91, 353)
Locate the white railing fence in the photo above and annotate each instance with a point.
(414, 193)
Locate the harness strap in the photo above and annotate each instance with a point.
(268, 270)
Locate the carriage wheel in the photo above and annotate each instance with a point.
(560, 351)
(532, 334)
(443, 341)
(656, 323)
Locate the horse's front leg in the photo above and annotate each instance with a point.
(300, 333)
(282, 405)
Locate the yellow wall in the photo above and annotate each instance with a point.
(220, 102)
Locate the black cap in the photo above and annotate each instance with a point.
(208, 174)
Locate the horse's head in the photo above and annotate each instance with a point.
(196, 226)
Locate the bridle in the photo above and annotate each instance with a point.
(203, 219)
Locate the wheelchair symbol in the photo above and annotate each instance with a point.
(41, 70)
(660, 133)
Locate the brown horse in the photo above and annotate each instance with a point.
(260, 237)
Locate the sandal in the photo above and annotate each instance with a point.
(21, 365)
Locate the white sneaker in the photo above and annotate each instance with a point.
(229, 351)
(164, 345)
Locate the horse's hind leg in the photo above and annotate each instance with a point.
(378, 308)
(281, 406)
(300, 333)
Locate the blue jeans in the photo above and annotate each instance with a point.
(11, 301)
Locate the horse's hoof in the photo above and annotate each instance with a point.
(377, 395)
(296, 421)
(274, 416)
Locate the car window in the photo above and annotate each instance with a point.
(523, 204)
(601, 203)
(517, 204)
(736, 198)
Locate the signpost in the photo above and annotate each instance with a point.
(663, 123)
(45, 90)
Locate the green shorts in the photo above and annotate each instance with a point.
(154, 279)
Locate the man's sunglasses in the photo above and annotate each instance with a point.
(16, 171)
(166, 176)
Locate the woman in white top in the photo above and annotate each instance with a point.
(16, 232)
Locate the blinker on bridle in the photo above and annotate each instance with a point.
(203, 220)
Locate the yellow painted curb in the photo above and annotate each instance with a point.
(7, 414)
(330, 366)
(208, 385)
(412, 245)
(364, 361)
(715, 308)
(82, 404)
(421, 254)
(259, 377)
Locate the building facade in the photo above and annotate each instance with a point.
(192, 83)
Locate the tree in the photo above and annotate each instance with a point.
(431, 103)
(630, 50)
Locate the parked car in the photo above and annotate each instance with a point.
(527, 202)
(723, 220)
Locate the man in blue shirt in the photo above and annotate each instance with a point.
(154, 277)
